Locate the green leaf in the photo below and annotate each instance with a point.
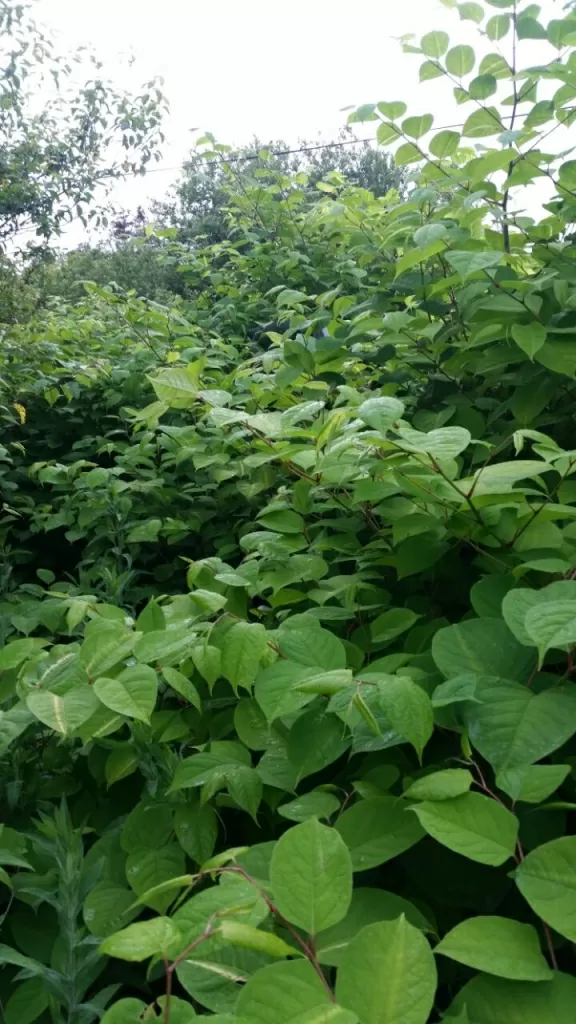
(282, 993)
(316, 740)
(26, 1003)
(386, 133)
(248, 937)
(529, 337)
(407, 707)
(201, 768)
(177, 386)
(133, 693)
(313, 648)
(377, 830)
(442, 785)
(547, 880)
(149, 825)
(146, 531)
(500, 478)
(196, 828)
(483, 646)
(282, 521)
(245, 787)
(444, 144)
(531, 784)
(392, 110)
(13, 654)
(435, 44)
(389, 951)
(514, 1002)
(63, 714)
(391, 624)
(467, 262)
(472, 825)
(498, 26)
(147, 869)
(407, 154)
(142, 940)
(106, 908)
(125, 1011)
(497, 945)
(367, 907)
(316, 804)
(208, 661)
(471, 12)
(182, 686)
(460, 60)
(275, 689)
(429, 69)
(381, 413)
(416, 127)
(483, 122)
(552, 624)
(513, 726)
(244, 646)
(311, 876)
(163, 646)
(483, 86)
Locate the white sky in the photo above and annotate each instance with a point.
(240, 68)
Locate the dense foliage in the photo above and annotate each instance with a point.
(288, 612)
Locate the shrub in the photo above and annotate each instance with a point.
(291, 712)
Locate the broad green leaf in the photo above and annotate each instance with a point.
(14, 653)
(248, 937)
(245, 787)
(63, 714)
(434, 44)
(460, 60)
(208, 661)
(243, 648)
(498, 26)
(182, 686)
(500, 478)
(275, 688)
(316, 804)
(196, 828)
(387, 975)
(201, 768)
(444, 144)
(552, 624)
(146, 869)
(529, 337)
(148, 826)
(107, 908)
(282, 521)
(392, 110)
(107, 646)
(142, 940)
(466, 263)
(391, 624)
(281, 993)
(454, 691)
(472, 825)
(442, 785)
(377, 830)
(531, 784)
(316, 740)
(497, 945)
(471, 12)
(407, 707)
(367, 907)
(495, 1001)
(133, 693)
(513, 726)
(444, 443)
(483, 646)
(416, 127)
(163, 646)
(125, 1011)
(483, 86)
(381, 413)
(547, 880)
(407, 154)
(251, 724)
(483, 122)
(429, 69)
(316, 648)
(26, 1003)
(311, 876)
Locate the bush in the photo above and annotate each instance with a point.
(287, 686)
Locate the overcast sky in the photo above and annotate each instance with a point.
(243, 67)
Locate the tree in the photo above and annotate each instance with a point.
(56, 161)
(198, 206)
